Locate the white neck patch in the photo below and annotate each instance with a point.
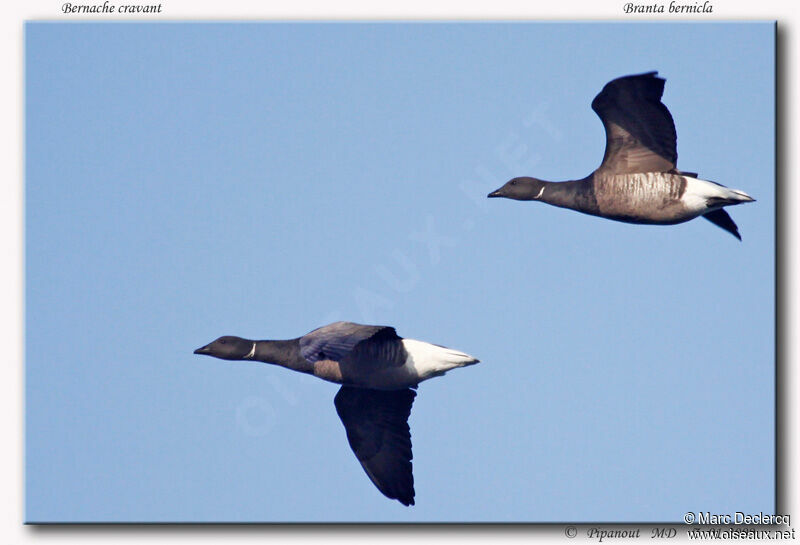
(251, 353)
(540, 193)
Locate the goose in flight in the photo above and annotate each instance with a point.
(638, 181)
(377, 370)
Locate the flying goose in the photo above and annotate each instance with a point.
(638, 181)
(377, 370)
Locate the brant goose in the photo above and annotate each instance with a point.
(377, 370)
(637, 182)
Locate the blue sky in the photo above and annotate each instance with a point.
(185, 181)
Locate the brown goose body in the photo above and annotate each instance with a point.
(377, 370)
(638, 181)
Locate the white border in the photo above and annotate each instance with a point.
(12, 531)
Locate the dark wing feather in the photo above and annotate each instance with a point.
(640, 133)
(383, 349)
(721, 218)
(376, 423)
(337, 340)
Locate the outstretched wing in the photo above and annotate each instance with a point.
(640, 132)
(720, 218)
(338, 340)
(376, 422)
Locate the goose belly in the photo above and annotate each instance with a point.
(651, 197)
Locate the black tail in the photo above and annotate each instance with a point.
(711, 202)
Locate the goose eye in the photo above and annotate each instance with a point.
(223, 342)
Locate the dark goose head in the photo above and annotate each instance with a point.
(228, 348)
(523, 188)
